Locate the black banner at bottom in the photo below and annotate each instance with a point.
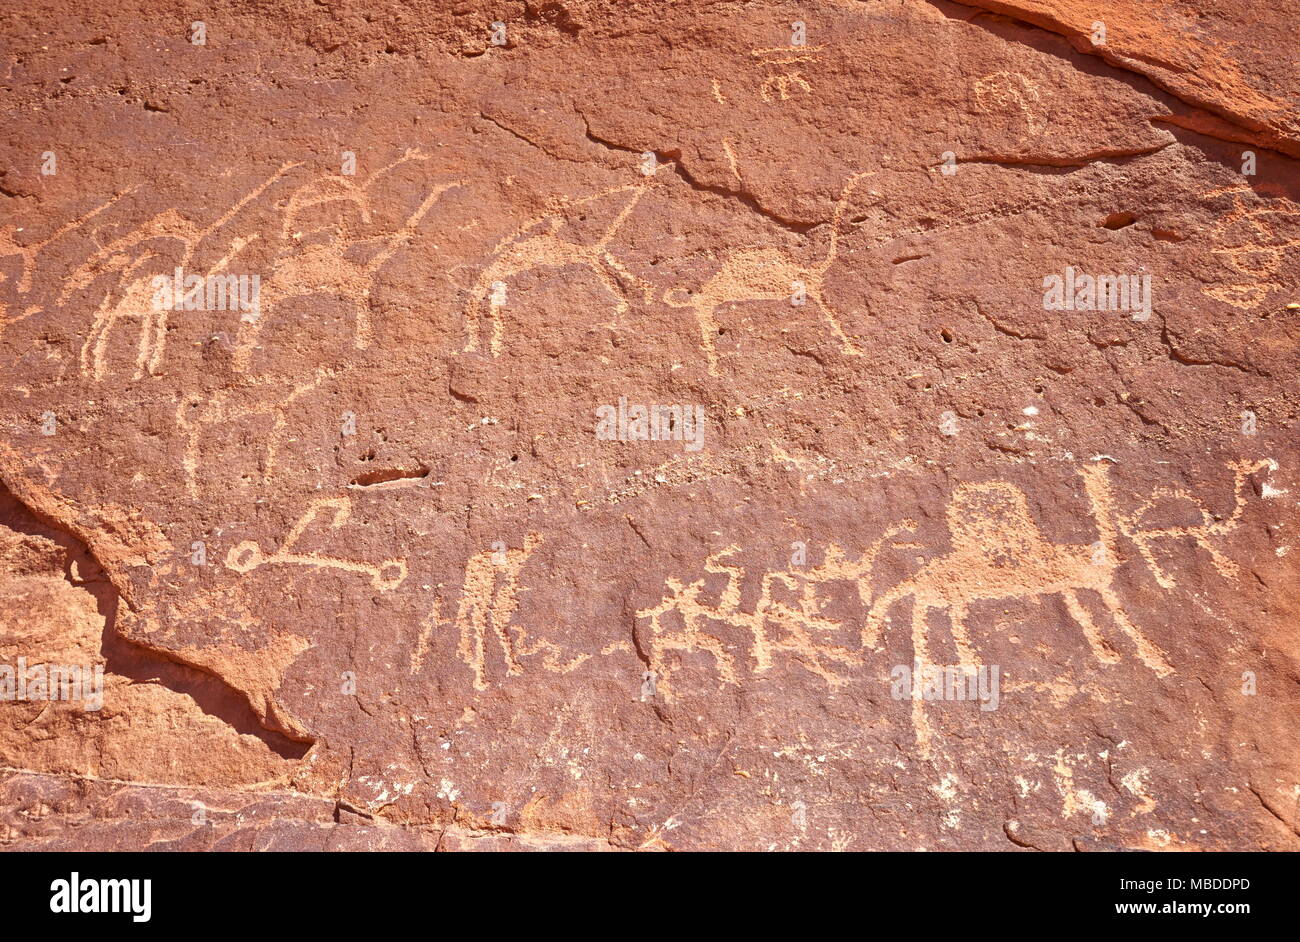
(334, 891)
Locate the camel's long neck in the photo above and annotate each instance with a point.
(833, 244)
(620, 219)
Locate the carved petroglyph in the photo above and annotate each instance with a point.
(9, 245)
(691, 638)
(729, 150)
(316, 261)
(779, 78)
(779, 87)
(333, 188)
(131, 295)
(488, 602)
(1201, 535)
(998, 552)
(1010, 93)
(786, 619)
(765, 273)
(321, 260)
(328, 267)
(198, 412)
(780, 84)
(527, 249)
(1251, 240)
(248, 555)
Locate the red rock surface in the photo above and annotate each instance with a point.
(360, 572)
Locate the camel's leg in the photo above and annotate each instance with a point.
(250, 329)
(403, 235)
(191, 461)
(921, 728)
(1151, 655)
(495, 304)
(877, 614)
(920, 661)
(152, 323)
(159, 346)
(846, 345)
(1227, 568)
(920, 633)
(474, 322)
(1143, 543)
(479, 663)
(761, 649)
(1100, 649)
(502, 631)
(92, 349)
(647, 290)
(961, 638)
(708, 331)
(362, 338)
(612, 286)
(470, 622)
(473, 311)
(108, 322)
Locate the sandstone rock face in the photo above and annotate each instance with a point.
(329, 336)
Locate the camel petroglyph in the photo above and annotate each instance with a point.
(301, 267)
(527, 250)
(327, 267)
(490, 596)
(998, 552)
(131, 296)
(765, 273)
(28, 253)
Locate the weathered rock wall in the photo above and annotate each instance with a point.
(370, 549)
